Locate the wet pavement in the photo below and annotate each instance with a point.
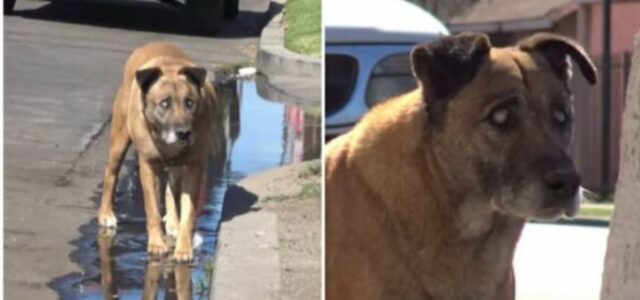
(259, 134)
(63, 63)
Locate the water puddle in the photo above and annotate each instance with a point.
(258, 135)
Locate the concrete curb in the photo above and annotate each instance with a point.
(247, 264)
(274, 59)
(299, 91)
(248, 256)
(247, 260)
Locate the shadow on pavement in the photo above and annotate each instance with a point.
(143, 16)
(237, 201)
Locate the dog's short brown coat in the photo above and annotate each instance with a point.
(427, 195)
(165, 107)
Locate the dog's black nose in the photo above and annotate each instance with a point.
(562, 183)
(183, 134)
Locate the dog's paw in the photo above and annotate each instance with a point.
(170, 226)
(107, 232)
(183, 253)
(183, 256)
(157, 247)
(107, 219)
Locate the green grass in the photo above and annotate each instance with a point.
(307, 191)
(596, 206)
(592, 197)
(202, 284)
(310, 186)
(277, 198)
(312, 169)
(303, 31)
(314, 111)
(596, 211)
(310, 190)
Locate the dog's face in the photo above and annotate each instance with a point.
(502, 119)
(173, 97)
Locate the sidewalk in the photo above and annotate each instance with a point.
(290, 76)
(269, 242)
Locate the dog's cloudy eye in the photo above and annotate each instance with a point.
(560, 116)
(188, 103)
(500, 116)
(165, 103)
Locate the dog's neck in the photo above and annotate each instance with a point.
(436, 219)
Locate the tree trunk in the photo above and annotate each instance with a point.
(621, 277)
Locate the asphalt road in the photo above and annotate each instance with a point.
(63, 63)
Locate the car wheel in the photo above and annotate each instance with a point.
(205, 16)
(8, 6)
(231, 9)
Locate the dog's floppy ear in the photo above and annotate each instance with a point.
(557, 49)
(444, 66)
(447, 64)
(196, 75)
(146, 78)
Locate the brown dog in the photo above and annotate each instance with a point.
(165, 107)
(427, 195)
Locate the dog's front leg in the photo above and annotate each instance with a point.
(119, 141)
(191, 180)
(150, 179)
(171, 221)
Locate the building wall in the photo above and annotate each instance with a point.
(567, 26)
(625, 23)
(505, 39)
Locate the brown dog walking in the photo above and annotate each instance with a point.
(165, 107)
(427, 195)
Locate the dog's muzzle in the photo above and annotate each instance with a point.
(561, 188)
(177, 136)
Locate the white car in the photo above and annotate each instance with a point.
(367, 46)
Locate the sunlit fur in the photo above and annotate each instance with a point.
(416, 212)
(137, 120)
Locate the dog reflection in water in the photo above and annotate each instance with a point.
(178, 277)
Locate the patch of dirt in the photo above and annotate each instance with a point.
(294, 194)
